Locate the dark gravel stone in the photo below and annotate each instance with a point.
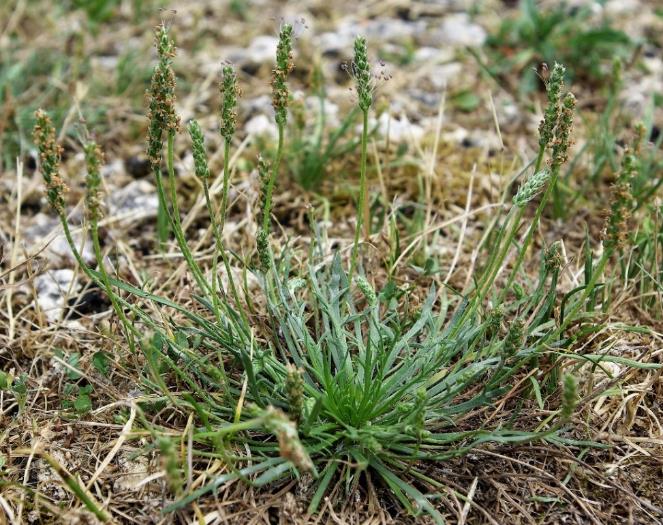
(92, 301)
(138, 167)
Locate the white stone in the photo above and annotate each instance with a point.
(334, 42)
(53, 289)
(622, 7)
(398, 129)
(262, 49)
(261, 104)
(261, 125)
(46, 228)
(477, 138)
(459, 30)
(138, 198)
(433, 55)
(133, 472)
(441, 75)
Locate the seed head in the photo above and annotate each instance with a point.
(494, 321)
(290, 446)
(294, 389)
(515, 338)
(616, 230)
(562, 140)
(229, 94)
(284, 65)
(361, 70)
(171, 463)
(531, 188)
(554, 88)
(367, 290)
(199, 153)
(552, 259)
(161, 94)
(569, 397)
(372, 444)
(262, 244)
(296, 283)
(49, 157)
(93, 159)
(419, 415)
(263, 173)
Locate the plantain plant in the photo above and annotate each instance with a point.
(332, 378)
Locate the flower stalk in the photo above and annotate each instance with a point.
(280, 99)
(93, 159)
(162, 116)
(164, 120)
(49, 154)
(229, 94)
(361, 70)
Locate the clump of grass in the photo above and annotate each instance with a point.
(334, 378)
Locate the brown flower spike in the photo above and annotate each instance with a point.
(49, 157)
(162, 115)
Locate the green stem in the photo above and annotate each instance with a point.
(162, 225)
(173, 216)
(494, 263)
(534, 225)
(226, 183)
(589, 289)
(100, 280)
(501, 251)
(539, 158)
(220, 249)
(498, 255)
(218, 229)
(362, 211)
(79, 259)
(267, 207)
(364, 188)
(128, 328)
